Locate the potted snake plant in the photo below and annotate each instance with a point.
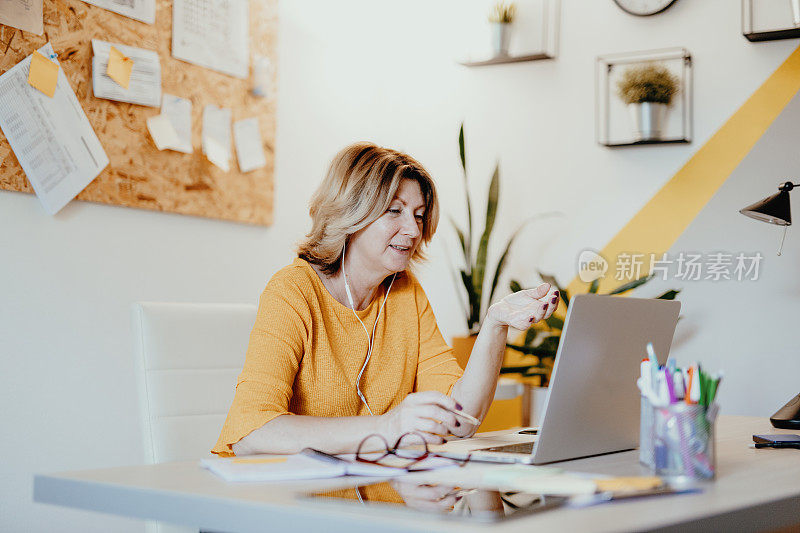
(476, 296)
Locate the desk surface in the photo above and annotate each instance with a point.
(754, 490)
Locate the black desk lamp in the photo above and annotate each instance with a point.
(775, 209)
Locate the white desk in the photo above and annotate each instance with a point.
(755, 490)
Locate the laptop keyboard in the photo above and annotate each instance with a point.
(523, 447)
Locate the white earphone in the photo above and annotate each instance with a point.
(370, 338)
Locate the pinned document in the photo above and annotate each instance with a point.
(217, 154)
(119, 67)
(249, 148)
(142, 10)
(212, 34)
(162, 132)
(217, 136)
(27, 15)
(43, 74)
(52, 138)
(137, 80)
(179, 112)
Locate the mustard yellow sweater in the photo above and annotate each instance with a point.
(306, 350)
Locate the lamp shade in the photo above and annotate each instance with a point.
(774, 209)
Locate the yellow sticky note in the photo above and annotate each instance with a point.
(624, 484)
(119, 67)
(43, 74)
(259, 460)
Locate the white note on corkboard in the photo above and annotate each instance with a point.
(143, 10)
(212, 34)
(51, 136)
(23, 14)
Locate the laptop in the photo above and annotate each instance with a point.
(593, 405)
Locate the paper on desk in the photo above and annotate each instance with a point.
(212, 34)
(52, 138)
(145, 77)
(217, 135)
(293, 467)
(289, 467)
(43, 74)
(249, 148)
(26, 15)
(179, 112)
(143, 10)
(537, 479)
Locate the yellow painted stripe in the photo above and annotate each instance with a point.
(656, 227)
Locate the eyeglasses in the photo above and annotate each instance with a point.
(406, 452)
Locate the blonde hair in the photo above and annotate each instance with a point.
(361, 183)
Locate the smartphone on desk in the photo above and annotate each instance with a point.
(777, 440)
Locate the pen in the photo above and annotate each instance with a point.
(646, 377)
(469, 418)
(680, 387)
(669, 384)
(689, 380)
(322, 456)
(713, 389)
(693, 393)
(651, 355)
(703, 388)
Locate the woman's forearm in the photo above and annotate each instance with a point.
(291, 433)
(475, 390)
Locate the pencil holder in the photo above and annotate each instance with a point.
(683, 442)
(646, 456)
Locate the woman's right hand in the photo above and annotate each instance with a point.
(429, 413)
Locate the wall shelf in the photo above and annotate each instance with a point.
(764, 20)
(501, 60)
(774, 35)
(640, 143)
(614, 126)
(534, 38)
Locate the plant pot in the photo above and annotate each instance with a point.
(501, 35)
(648, 120)
(462, 348)
(535, 400)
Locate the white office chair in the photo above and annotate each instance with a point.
(187, 359)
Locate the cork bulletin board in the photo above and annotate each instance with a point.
(138, 175)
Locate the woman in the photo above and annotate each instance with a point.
(346, 330)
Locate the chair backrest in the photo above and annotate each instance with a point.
(187, 358)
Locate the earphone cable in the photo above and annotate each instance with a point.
(370, 338)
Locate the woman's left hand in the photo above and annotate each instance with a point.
(521, 309)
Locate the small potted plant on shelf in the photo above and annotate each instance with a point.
(501, 17)
(474, 272)
(648, 90)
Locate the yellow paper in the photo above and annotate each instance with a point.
(119, 67)
(625, 484)
(259, 460)
(43, 74)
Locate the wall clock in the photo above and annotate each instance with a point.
(643, 8)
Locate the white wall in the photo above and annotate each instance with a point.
(349, 70)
